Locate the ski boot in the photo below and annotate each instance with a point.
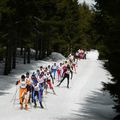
(41, 105)
(21, 106)
(35, 105)
(26, 107)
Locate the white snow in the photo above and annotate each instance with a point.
(55, 57)
(89, 2)
(82, 101)
(92, 55)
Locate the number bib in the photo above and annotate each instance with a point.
(23, 84)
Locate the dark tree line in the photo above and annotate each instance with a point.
(42, 25)
(108, 27)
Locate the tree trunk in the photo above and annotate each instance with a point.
(36, 49)
(6, 63)
(21, 51)
(36, 54)
(43, 48)
(14, 58)
(40, 50)
(9, 57)
(14, 52)
(28, 55)
(24, 55)
(7, 67)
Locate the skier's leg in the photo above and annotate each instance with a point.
(68, 81)
(62, 80)
(34, 95)
(40, 99)
(26, 94)
(46, 87)
(54, 72)
(52, 77)
(71, 74)
(21, 97)
(53, 91)
(51, 87)
(59, 76)
(75, 68)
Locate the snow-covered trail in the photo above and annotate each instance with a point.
(82, 101)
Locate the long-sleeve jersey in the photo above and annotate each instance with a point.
(40, 79)
(48, 76)
(37, 87)
(67, 70)
(23, 83)
(54, 67)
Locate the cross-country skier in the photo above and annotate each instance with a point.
(37, 93)
(41, 69)
(66, 73)
(23, 91)
(50, 71)
(54, 68)
(33, 80)
(59, 72)
(74, 63)
(49, 83)
(28, 86)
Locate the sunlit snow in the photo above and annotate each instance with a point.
(84, 100)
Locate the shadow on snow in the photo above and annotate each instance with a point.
(95, 107)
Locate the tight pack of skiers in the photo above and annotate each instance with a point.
(32, 87)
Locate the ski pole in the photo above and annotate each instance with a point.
(44, 103)
(14, 96)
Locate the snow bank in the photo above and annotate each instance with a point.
(31, 50)
(92, 55)
(55, 57)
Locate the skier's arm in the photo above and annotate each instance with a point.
(17, 82)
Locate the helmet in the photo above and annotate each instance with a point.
(48, 66)
(27, 73)
(38, 71)
(68, 66)
(42, 73)
(22, 76)
(33, 73)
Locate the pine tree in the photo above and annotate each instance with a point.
(109, 29)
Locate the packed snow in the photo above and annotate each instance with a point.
(84, 100)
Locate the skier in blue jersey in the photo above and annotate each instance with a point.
(37, 88)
